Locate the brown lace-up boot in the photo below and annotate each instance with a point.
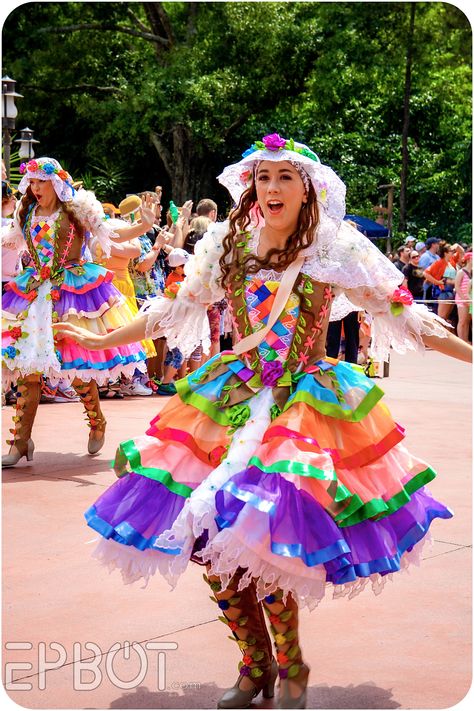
(244, 616)
(89, 394)
(29, 393)
(292, 671)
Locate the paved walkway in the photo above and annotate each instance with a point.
(409, 647)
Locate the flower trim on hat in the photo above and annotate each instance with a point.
(274, 142)
(33, 166)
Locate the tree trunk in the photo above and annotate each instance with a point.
(179, 159)
(402, 224)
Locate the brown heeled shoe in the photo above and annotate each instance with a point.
(300, 678)
(237, 698)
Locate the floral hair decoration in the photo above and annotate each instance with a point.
(329, 188)
(47, 169)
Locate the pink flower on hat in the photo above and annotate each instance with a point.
(274, 142)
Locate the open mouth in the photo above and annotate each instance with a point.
(275, 206)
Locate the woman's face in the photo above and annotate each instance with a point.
(43, 191)
(280, 194)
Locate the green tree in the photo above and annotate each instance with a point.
(171, 92)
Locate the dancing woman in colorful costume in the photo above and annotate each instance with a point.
(55, 224)
(277, 467)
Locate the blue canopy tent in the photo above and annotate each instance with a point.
(369, 228)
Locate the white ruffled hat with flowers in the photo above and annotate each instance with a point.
(329, 188)
(47, 169)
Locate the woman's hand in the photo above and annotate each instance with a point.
(82, 336)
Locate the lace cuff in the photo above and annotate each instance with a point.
(184, 323)
(398, 323)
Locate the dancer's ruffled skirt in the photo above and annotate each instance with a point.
(86, 298)
(322, 493)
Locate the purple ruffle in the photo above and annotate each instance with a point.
(300, 527)
(135, 510)
(89, 302)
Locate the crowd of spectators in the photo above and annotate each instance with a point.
(436, 273)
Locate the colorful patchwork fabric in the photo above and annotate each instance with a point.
(260, 297)
(42, 234)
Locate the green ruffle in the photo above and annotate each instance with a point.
(356, 510)
(130, 451)
(379, 508)
(333, 410)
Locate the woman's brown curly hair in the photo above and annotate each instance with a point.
(29, 199)
(278, 259)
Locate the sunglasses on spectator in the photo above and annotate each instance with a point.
(415, 255)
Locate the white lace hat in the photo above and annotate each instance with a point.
(47, 169)
(329, 188)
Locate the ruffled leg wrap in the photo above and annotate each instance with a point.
(244, 615)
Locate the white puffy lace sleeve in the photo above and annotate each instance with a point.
(90, 213)
(364, 279)
(12, 235)
(183, 321)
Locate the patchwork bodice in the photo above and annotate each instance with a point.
(298, 337)
(43, 234)
(260, 296)
(52, 241)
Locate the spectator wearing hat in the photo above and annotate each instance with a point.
(426, 260)
(410, 241)
(110, 210)
(431, 253)
(420, 247)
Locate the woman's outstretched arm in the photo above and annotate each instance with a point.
(131, 333)
(451, 346)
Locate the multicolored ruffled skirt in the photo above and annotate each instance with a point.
(302, 491)
(83, 296)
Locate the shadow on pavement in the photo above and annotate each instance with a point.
(205, 696)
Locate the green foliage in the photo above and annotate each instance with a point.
(127, 112)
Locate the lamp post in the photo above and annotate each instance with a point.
(26, 142)
(9, 114)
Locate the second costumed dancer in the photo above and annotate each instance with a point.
(55, 224)
(276, 466)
